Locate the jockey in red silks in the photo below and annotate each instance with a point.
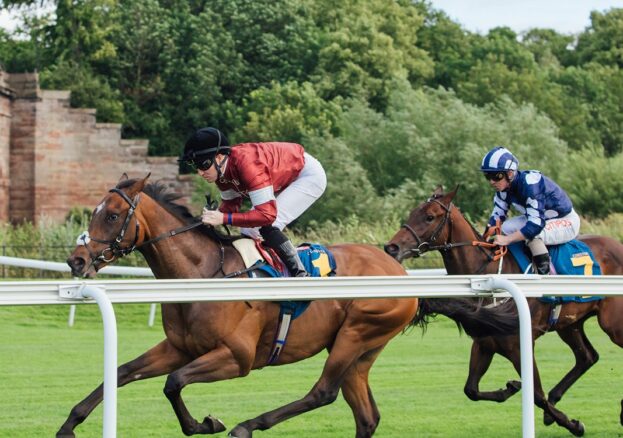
(280, 179)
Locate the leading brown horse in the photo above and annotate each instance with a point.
(438, 224)
(207, 342)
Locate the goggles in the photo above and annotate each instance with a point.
(495, 176)
(201, 164)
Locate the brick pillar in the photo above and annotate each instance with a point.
(6, 98)
(22, 146)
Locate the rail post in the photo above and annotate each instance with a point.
(498, 282)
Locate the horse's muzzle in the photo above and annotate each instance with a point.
(77, 265)
(393, 250)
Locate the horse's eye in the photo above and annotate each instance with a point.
(112, 217)
(430, 218)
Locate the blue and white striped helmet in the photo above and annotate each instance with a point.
(499, 159)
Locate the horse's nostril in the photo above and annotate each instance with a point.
(391, 249)
(76, 263)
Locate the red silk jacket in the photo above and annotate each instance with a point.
(257, 171)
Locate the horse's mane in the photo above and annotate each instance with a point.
(163, 196)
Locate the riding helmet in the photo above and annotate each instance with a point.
(205, 143)
(499, 159)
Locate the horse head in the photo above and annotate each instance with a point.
(113, 230)
(425, 229)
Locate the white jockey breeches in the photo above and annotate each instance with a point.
(556, 231)
(298, 196)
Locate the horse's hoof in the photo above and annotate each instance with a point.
(548, 420)
(210, 425)
(240, 432)
(578, 429)
(65, 434)
(514, 386)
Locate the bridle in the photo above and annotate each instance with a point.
(425, 246)
(115, 250)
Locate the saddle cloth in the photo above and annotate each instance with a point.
(571, 258)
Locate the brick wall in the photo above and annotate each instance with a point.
(62, 158)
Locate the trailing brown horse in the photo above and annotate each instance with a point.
(207, 342)
(438, 225)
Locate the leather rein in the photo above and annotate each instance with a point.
(424, 246)
(115, 250)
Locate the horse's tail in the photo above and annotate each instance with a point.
(470, 315)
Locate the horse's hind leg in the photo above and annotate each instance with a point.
(610, 321)
(573, 426)
(479, 362)
(358, 395)
(585, 357)
(161, 359)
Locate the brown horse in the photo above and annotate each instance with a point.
(207, 342)
(438, 225)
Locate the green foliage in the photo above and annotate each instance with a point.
(443, 140)
(349, 191)
(603, 39)
(17, 55)
(366, 46)
(87, 89)
(287, 112)
(594, 182)
(78, 215)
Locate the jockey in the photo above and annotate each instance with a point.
(280, 179)
(548, 217)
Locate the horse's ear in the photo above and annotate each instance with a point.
(140, 184)
(123, 178)
(452, 194)
(438, 192)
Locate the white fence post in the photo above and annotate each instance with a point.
(525, 345)
(110, 350)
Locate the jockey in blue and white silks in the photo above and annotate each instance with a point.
(547, 214)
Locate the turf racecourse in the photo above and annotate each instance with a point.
(46, 367)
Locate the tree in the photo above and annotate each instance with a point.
(602, 42)
(366, 46)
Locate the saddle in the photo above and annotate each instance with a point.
(318, 262)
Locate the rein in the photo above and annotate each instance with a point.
(496, 254)
(116, 251)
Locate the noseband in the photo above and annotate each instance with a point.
(423, 247)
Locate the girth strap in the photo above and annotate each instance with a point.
(280, 338)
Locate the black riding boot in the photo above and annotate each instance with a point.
(275, 239)
(541, 263)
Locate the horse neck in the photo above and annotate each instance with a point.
(468, 259)
(191, 254)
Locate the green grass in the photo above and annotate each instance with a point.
(46, 368)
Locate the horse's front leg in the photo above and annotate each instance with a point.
(160, 360)
(479, 362)
(218, 364)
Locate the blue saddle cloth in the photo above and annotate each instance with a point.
(318, 262)
(571, 258)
